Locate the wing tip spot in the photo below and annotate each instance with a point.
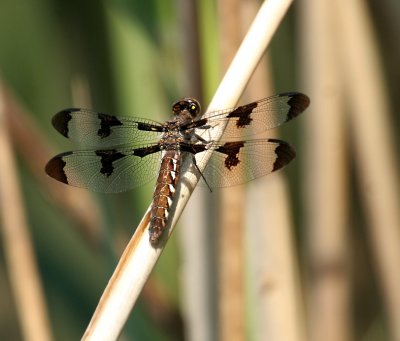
(297, 101)
(55, 168)
(61, 120)
(284, 152)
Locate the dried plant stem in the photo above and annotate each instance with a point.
(20, 257)
(231, 255)
(275, 310)
(375, 155)
(325, 177)
(139, 257)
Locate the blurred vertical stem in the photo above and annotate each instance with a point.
(20, 257)
(325, 177)
(230, 231)
(374, 147)
(211, 73)
(275, 310)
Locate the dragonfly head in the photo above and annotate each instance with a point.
(190, 105)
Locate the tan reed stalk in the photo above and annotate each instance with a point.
(230, 227)
(275, 310)
(375, 155)
(325, 177)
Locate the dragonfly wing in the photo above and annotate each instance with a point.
(107, 171)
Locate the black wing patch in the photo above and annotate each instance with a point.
(243, 114)
(231, 150)
(107, 159)
(106, 123)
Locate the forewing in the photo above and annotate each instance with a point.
(107, 171)
(90, 129)
(234, 163)
(255, 117)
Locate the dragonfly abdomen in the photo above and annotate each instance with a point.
(164, 193)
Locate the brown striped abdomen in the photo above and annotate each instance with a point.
(164, 193)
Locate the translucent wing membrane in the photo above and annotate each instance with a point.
(235, 163)
(255, 117)
(107, 171)
(90, 129)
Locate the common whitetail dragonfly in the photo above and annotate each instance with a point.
(120, 153)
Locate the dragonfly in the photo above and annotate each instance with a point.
(119, 153)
